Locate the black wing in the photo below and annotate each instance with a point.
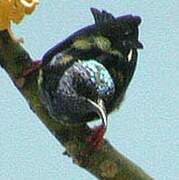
(100, 18)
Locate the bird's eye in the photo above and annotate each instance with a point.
(126, 33)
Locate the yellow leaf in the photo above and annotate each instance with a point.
(14, 11)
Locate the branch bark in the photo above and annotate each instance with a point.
(106, 163)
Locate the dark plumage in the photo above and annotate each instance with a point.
(67, 96)
(72, 83)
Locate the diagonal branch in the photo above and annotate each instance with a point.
(105, 163)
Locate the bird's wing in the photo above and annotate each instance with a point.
(100, 18)
(80, 48)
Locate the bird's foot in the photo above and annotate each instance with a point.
(36, 65)
(95, 140)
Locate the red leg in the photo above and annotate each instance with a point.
(95, 140)
(36, 65)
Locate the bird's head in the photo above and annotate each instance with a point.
(126, 32)
(121, 31)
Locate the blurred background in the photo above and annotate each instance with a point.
(145, 129)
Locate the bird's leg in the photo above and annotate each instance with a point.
(36, 65)
(95, 140)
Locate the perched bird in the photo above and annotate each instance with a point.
(86, 75)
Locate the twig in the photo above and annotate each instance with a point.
(105, 163)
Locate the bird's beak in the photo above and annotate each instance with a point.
(100, 110)
(139, 45)
(134, 44)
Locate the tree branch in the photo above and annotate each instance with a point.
(105, 163)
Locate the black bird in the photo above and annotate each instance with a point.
(87, 74)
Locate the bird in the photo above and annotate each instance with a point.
(85, 77)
